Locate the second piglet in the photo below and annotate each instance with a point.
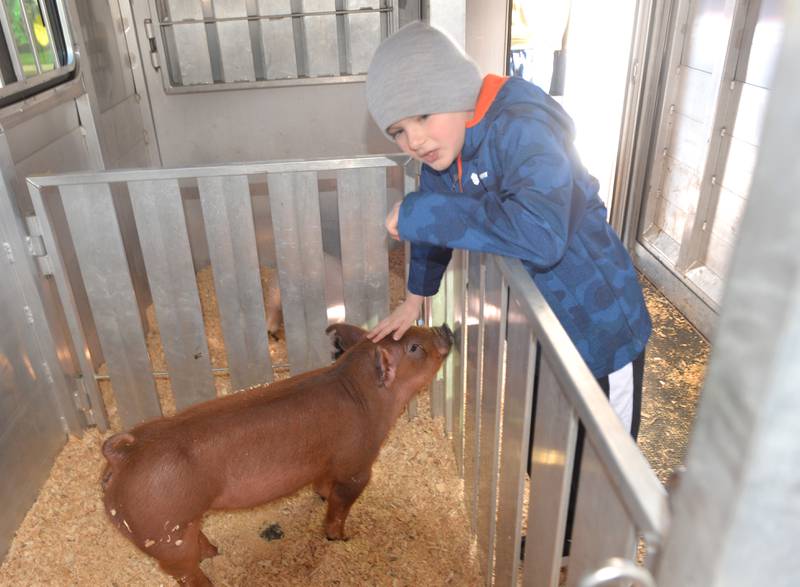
(323, 427)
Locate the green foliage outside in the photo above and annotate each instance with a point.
(40, 35)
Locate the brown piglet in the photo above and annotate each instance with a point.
(324, 427)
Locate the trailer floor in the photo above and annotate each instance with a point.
(675, 365)
(408, 528)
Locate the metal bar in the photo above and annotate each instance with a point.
(256, 40)
(630, 473)
(364, 30)
(436, 317)
(654, 18)
(321, 41)
(300, 38)
(31, 38)
(13, 53)
(46, 21)
(634, 109)
(96, 234)
(602, 528)
(517, 401)
(91, 137)
(410, 180)
(667, 115)
(551, 460)
(139, 85)
(288, 166)
(278, 42)
(493, 318)
(228, 218)
(365, 264)
(277, 16)
(717, 131)
(71, 313)
(294, 203)
(234, 38)
(448, 373)
(25, 268)
(293, 82)
(472, 419)
(215, 371)
(459, 354)
(212, 39)
(158, 210)
(342, 38)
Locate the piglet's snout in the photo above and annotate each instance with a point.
(444, 338)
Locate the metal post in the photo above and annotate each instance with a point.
(736, 510)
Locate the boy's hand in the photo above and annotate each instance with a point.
(398, 321)
(391, 222)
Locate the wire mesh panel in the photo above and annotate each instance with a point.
(98, 244)
(228, 217)
(294, 202)
(164, 239)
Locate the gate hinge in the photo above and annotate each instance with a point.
(80, 397)
(151, 38)
(36, 246)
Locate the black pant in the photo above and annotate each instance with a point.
(638, 378)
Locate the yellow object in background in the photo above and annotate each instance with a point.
(40, 32)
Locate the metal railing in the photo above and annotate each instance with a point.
(485, 392)
(503, 322)
(89, 204)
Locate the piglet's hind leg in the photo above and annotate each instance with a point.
(207, 550)
(181, 557)
(340, 499)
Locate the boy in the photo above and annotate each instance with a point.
(500, 175)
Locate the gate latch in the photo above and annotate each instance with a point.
(36, 245)
(151, 38)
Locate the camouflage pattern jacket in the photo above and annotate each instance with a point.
(518, 189)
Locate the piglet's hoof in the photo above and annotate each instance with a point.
(336, 535)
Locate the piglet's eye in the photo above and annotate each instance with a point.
(415, 350)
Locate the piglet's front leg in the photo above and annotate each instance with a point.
(341, 497)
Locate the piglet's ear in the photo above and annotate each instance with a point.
(384, 366)
(343, 336)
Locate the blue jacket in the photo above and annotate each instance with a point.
(527, 195)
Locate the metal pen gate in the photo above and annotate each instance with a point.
(95, 237)
(487, 395)
(484, 392)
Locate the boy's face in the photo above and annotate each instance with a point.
(434, 139)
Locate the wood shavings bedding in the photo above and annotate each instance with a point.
(408, 528)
